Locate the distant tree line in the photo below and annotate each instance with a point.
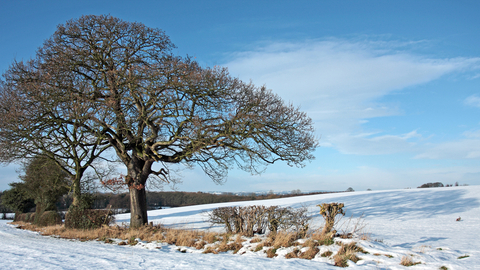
(158, 199)
(439, 184)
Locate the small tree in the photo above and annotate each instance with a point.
(34, 124)
(45, 182)
(329, 212)
(17, 199)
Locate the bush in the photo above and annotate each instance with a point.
(49, 218)
(78, 218)
(25, 217)
(430, 185)
(329, 212)
(256, 219)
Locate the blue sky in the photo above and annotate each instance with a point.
(392, 86)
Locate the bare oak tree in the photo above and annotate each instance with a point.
(153, 107)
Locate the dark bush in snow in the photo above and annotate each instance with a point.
(49, 218)
(429, 185)
(78, 218)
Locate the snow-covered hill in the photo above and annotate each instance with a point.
(413, 222)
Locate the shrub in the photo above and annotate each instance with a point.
(49, 218)
(25, 217)
(430, 185)
(78, 218)
(329, 212)
(255, 219)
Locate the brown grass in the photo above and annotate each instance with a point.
(210, 237)
(259, 247)
(312, 250)
(200, 244)
(209, 241)
(210, 249)
(146, 233)
(284, 239)
(293, 254)
(271, 252)
(256, 240)
(408, 261)
(347, 252)
(323, 239)
(386, 255)
(327, 253)
(225, 246)
(309, 254)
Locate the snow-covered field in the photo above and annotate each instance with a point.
(420, 223)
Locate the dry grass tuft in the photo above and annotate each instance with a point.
(225, 245)
(408, 261)
(310, 253)
(347, 252)
(323, 239)
(256, 240)
(327, 253)
(341, 259)
(293, 254)
(200, 244)
(187, 238)
(210, 237)
(386, 255)
(271, 252)
(365, 236)
(284, 239)
(210, 249)
(310, 243)
(268, 242)
(258, 247)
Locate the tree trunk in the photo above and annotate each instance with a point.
(138, 207)
(76, 192)
(138, 171)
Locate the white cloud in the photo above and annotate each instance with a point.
(339, 83)
(365, 144)
(472, 134)
(461, 149)
(467, 147)
(473, 100)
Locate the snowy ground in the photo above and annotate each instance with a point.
(414, 222)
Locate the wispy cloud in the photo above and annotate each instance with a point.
(467, 147)
(366, 144)
(340, 83)
(473, 100)
(460, 149)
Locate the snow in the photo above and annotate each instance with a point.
(420, 223)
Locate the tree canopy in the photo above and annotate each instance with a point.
(151, 106)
